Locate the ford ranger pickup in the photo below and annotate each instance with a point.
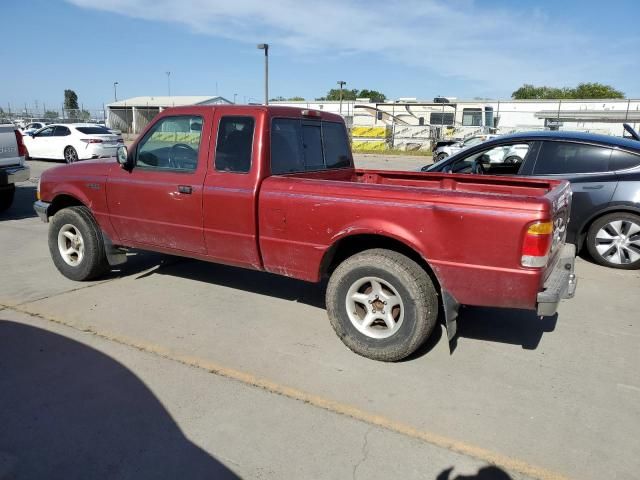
(275, 189)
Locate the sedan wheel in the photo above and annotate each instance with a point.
(70, 155)
(614, 241)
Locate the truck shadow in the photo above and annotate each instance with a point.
(519, 327)
(22, 206)
(69, 411)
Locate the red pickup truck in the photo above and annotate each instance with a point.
(275, 189)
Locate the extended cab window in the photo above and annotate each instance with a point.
(303, 145)
(566, 157)
(234, 145)
(172, 144)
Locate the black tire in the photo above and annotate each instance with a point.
(441, 156)
(94, 261)
(513, 160)
(412, 284)
(70, 155)
(6, 197)
(623, 253)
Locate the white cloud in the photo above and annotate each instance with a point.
(455, 38)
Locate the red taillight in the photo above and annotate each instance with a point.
(22, 149)
(536, 244)
(91, 140)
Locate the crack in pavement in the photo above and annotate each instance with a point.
(365, 453)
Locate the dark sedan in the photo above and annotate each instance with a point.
(604, 172)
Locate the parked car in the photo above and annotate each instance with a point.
(275, 189)
(33, 127)
(12, 167)
(604, 172)
(72, 142)
(447, 149)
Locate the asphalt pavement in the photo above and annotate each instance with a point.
(172, 367)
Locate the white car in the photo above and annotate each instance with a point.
(447, 150)
(33, 127)
(72, 142)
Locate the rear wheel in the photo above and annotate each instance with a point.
(382, 304)
(76, 244)
(70, 155)
(441, 156)
(6, 197)
(614, 240)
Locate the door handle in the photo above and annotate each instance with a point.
(592, 187)
(186, 189)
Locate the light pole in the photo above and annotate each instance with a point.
(115, 91)
(342, 83)
(168, 82)
(234, 98)
(265, 47)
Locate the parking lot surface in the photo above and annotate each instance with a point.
(172, 367)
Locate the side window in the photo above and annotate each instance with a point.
(622, 160)
(234, 145)
(472, 117)
(47, 132)
(172, 144)
(565, 157)
(502, 159)
(298, 146)
(337, 153)
(61, 131)
(286, 146)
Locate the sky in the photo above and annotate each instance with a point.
(404, 48)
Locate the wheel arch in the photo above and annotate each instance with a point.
(61, 201)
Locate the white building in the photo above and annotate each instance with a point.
(133, 114)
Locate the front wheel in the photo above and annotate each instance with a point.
(76, 245)
(381, 304)
(614, 240)
(441, 156)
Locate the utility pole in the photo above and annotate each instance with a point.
(168, 82)
(115, 91)
(342, 83)
(265, 47)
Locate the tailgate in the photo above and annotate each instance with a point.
(561, 209)
(8, 147)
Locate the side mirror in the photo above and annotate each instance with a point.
(122, 154)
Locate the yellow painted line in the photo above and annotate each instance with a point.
(510, 464)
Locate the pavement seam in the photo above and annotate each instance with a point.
(479, 453)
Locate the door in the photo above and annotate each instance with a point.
(40, 144)
(587, 168)
(159, 203)
(231, 189)
(58, 141)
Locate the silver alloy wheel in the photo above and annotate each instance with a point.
(618, 242)
(374, 307)
(71, 245)
(70, 155)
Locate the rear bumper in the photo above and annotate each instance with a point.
(14, 174)
(560, 284)
(42, 209)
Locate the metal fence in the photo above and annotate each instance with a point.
(59, 114)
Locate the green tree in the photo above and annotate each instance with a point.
(374, 95)
(70, 100)
(583, 90)
(84, 115)
(280, 98)
(51, 114)
(334, 94)
(296, 99)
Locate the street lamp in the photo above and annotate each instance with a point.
(342, 83)
(115, 91)
(234, 98)
(265, 47)
(168, 82)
